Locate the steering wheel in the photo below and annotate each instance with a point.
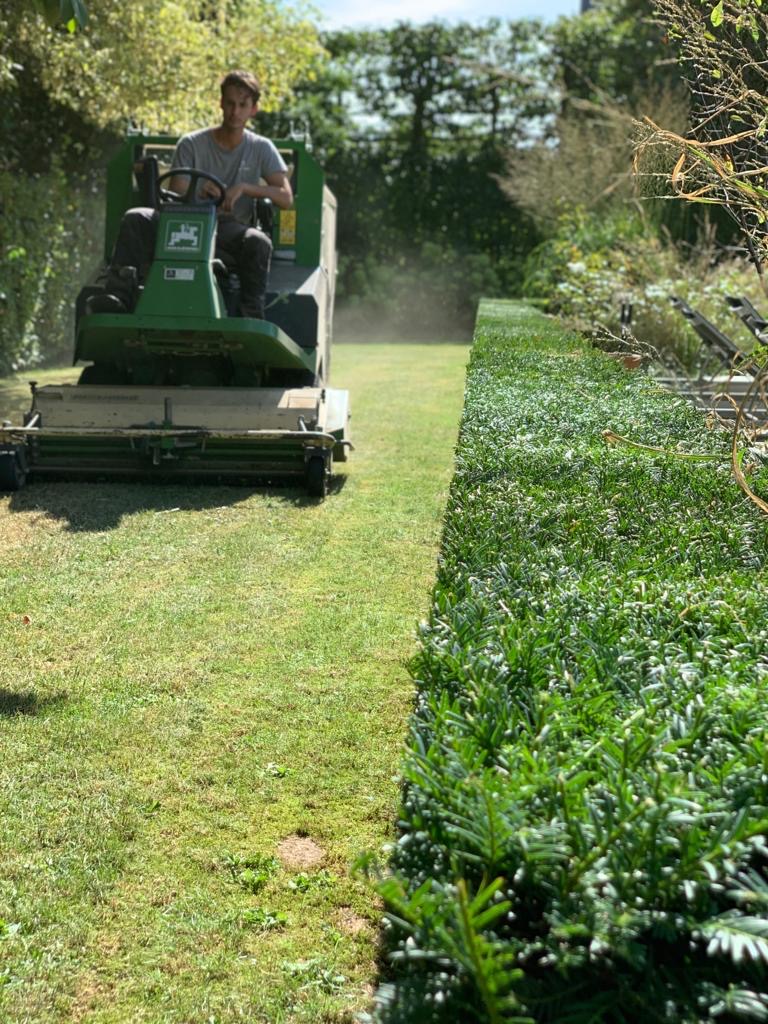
(190, 195)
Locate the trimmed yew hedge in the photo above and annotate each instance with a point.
(585, 793)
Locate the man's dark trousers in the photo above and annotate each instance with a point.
(250, 248)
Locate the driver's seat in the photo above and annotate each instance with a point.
(147, 171)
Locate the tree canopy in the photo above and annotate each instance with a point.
(412, 123)
(155, 62)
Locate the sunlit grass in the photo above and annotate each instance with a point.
(191, 674)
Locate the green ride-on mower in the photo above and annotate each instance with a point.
(184, 384)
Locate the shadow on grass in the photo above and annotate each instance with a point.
(91, 506)
(26, 703)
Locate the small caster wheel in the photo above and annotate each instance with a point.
(317, 477)
(13, 470)
(102, 373)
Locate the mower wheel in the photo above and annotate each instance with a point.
(102, 373)
(317, 477)
(13, 472)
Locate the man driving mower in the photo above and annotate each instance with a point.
(240, 159)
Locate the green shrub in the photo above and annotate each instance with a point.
(50, 242)
(594, 263)
(585, 799)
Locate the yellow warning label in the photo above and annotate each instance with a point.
(287, 227)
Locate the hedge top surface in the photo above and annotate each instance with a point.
(586, 785)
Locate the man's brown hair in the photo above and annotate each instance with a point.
(243, 80)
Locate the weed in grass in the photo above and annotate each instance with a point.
(263, 920)
(306, 882)
(315, 974)
(251, 873)
(332, 934)
(252, 881)
(150, 808)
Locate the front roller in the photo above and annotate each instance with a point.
(248, 433)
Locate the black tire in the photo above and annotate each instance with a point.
(101, 373)
(13, 474)
(317, 477)
(293, 379)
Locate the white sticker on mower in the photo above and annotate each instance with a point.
(182, 237)
(179, 274)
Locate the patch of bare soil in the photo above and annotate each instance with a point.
(90, 992)
(300, 853)
(23, 528)
(349, 922)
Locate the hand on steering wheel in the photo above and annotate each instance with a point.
(190, 194)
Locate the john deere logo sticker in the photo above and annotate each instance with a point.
(182, 236)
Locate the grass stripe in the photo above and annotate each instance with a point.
(189, 675)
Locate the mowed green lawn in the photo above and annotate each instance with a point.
(202, 705)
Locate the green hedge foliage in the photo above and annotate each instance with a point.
(50, 241)
(586, 782)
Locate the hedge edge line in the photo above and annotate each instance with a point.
(585, 792)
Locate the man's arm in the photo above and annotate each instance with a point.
(183, 156)
(277, 188)
(178, 184)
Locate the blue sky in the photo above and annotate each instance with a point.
(377, 13)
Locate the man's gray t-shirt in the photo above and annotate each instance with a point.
(254, 158)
